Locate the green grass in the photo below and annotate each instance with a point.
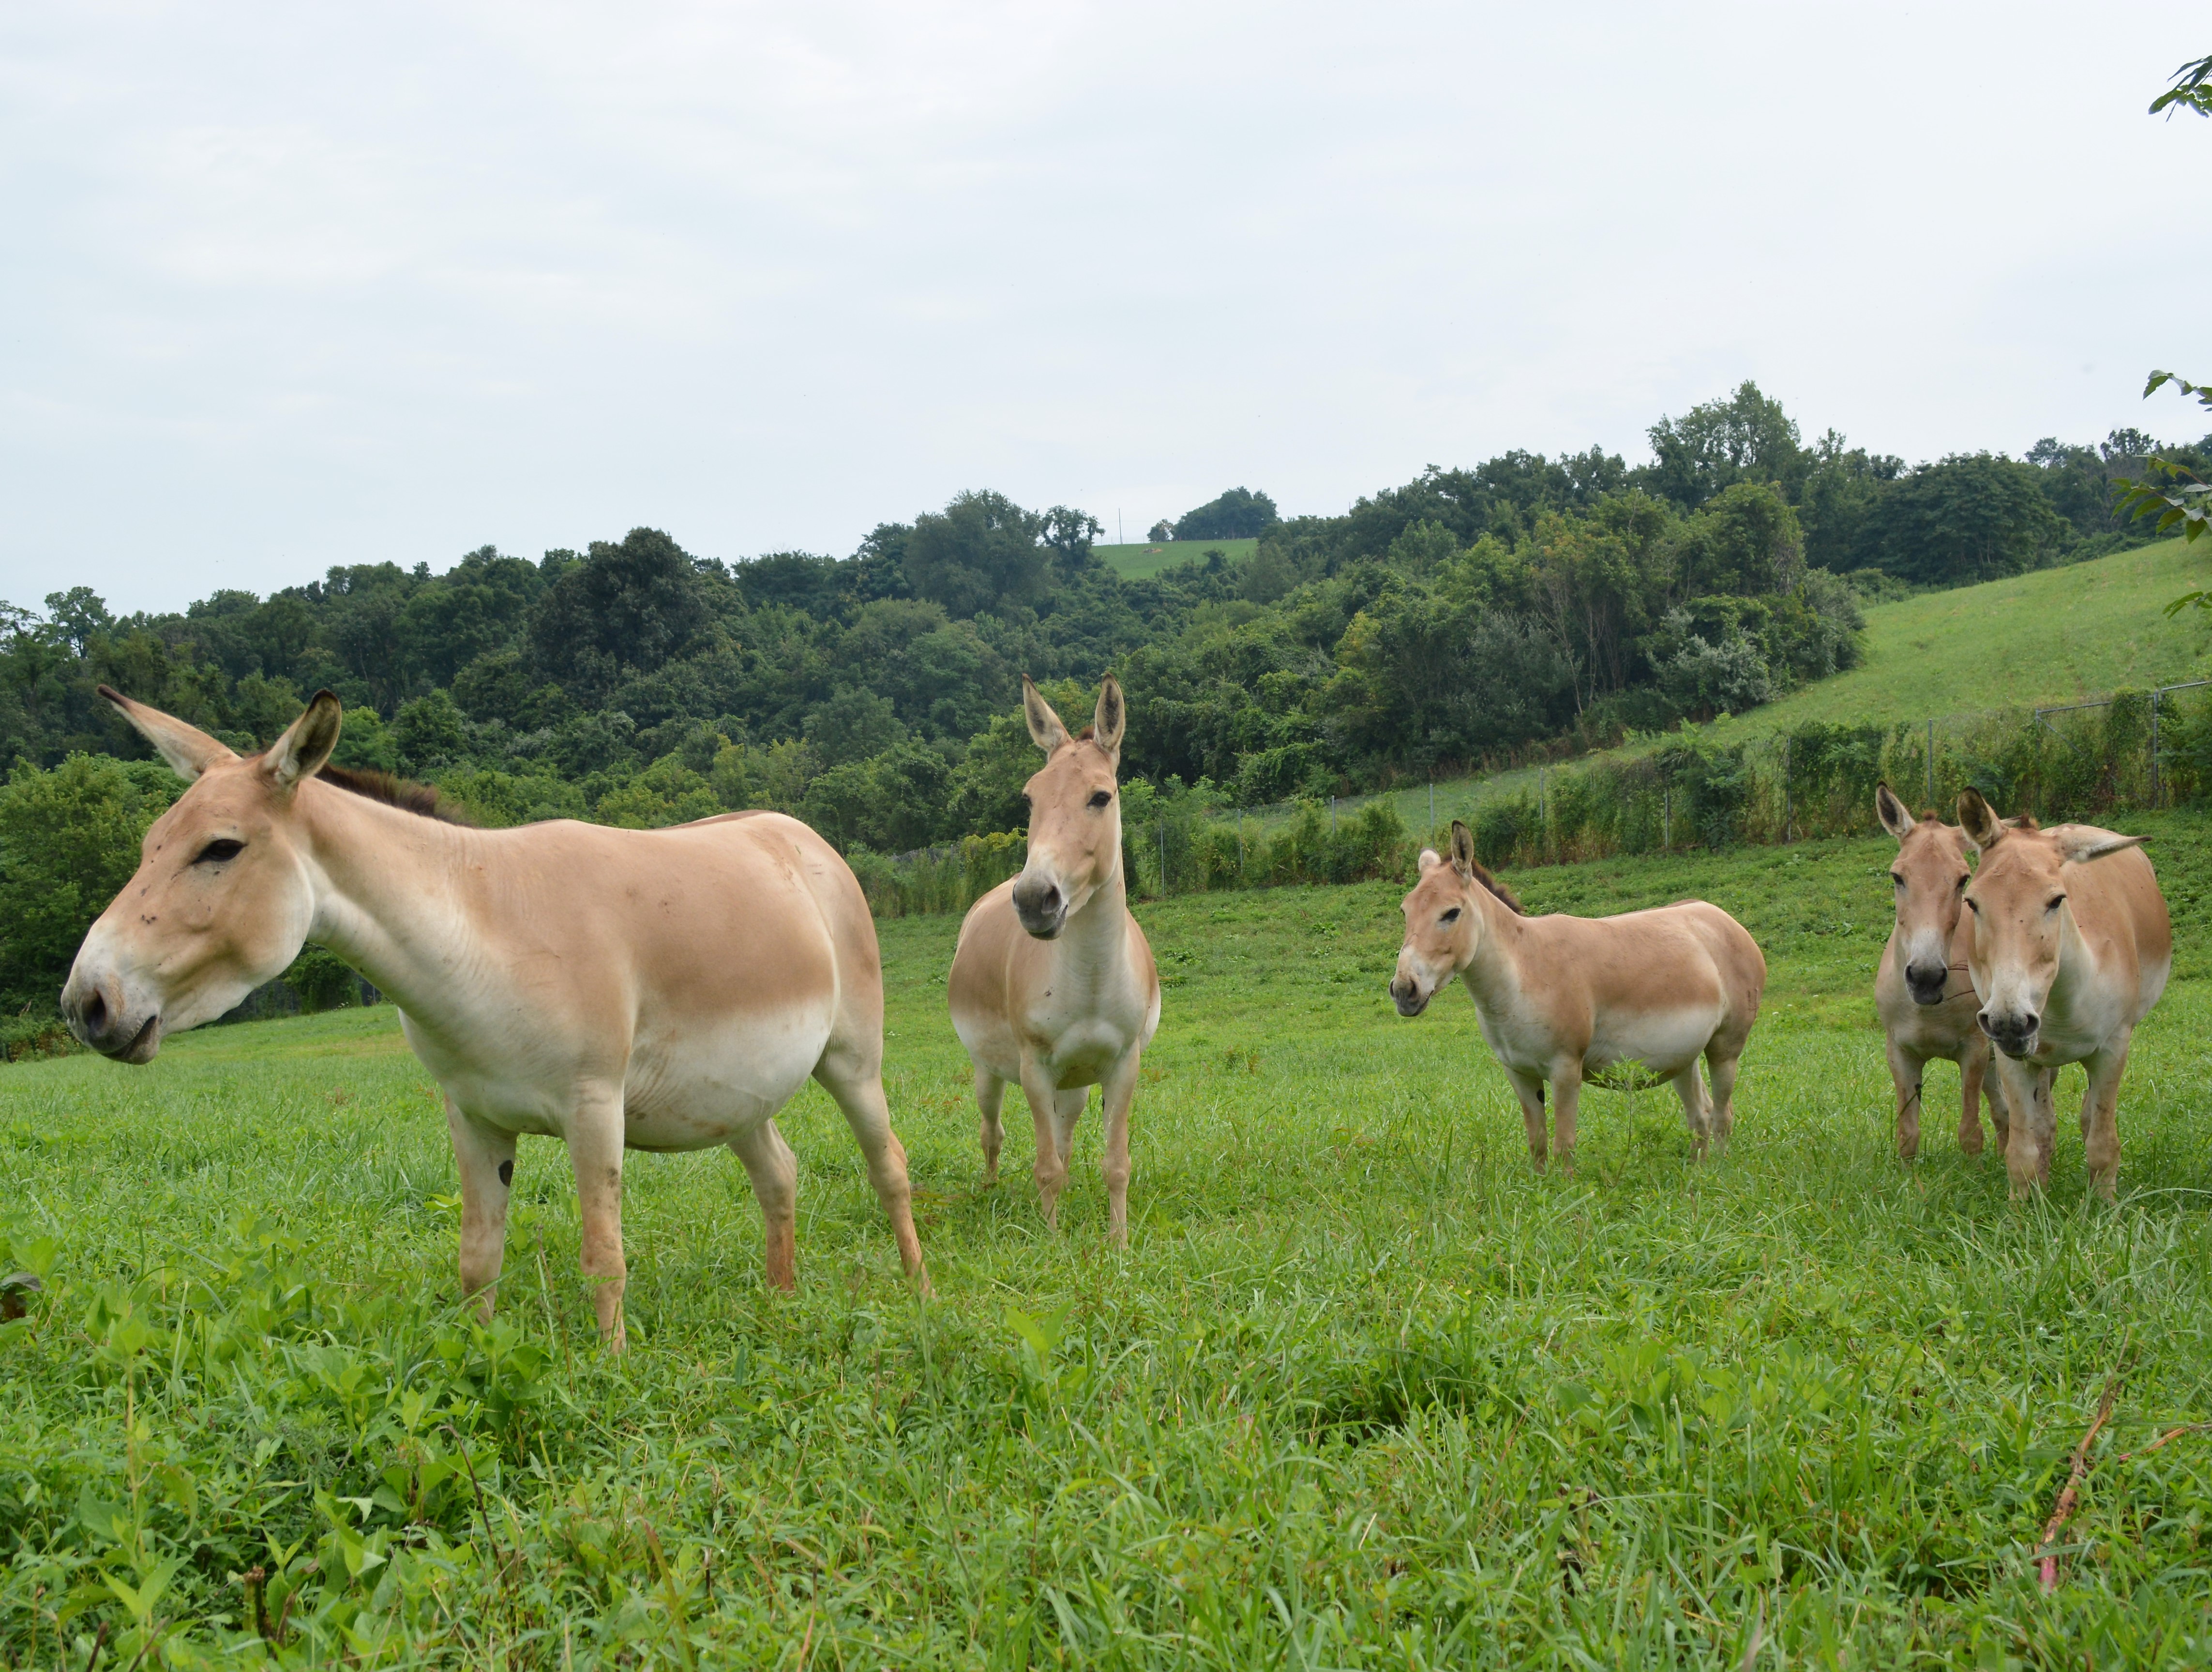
(1135, 562)
(1365, 1390)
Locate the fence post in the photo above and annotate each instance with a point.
(1332, 816)
(1666, 819)
(2155, 696)
(1432, 804)
(1164, 859)
(1931, 766)
(1240, 842)
(1786, 808)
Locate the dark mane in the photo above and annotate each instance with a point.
(420, 799)
(1504, 893)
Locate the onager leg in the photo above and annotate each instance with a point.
(1905, 1074)
(1973, 1073)
(2031, 1127)
(1695, 1113)
(990, 1095)
(1115, 1096)
(1067, 1111)
(1720, 1106)
(595, 1151)
(775, 1172)
(485, 1158)
(1050, 1168)
(1529, 1088)
(858, 1088)
(2100, 1115)
(1566, 1098)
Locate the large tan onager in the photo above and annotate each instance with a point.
(1054, 986)
(1561, 998)
(662, 990)
(1922, 990)
(2072, 948)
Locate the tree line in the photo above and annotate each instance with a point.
(1472, 615)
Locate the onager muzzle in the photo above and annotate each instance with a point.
(1041, 905)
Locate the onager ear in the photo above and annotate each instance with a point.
(1462, 854)
(188, 750)
(306, 742)
(1429, 861)
(1891, 813)
(1107, 724)
(1979, 820)
(2082, 849)
(1045, 730)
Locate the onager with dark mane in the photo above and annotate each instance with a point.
(663, 989)
(1054, 986)
(2072, 946)
(1564, 998)
(1922, 990)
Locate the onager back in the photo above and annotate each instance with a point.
(2072, 948)
(1923, 990)
(661, 990)
(1563, 999)
(1054, 986)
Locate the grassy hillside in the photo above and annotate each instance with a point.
(1134, 562)
(2056, 636)
(1365, 1390)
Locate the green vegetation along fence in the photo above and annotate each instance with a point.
(2134, 749)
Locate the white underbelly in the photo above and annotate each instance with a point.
(1664, 1041)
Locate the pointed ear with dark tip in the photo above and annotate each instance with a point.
(2082, 849)
(1045, 730)
(1462, 854)
(306, 742)
(1892, 812)
(1107, 724)
(1429, 861)
(188, 750)
(1979, 820)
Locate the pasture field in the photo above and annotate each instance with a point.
(2055, 636)
(1139, 559)
(1363, 1391)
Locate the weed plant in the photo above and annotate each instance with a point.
(1363, 1391)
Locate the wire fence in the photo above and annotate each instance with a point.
(2130, 751)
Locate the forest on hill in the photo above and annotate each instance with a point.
(1469, 615)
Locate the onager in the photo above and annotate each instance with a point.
(662, 990)
(1923, 990)
(1054, 986)
(2072, 948)
(1564, 998)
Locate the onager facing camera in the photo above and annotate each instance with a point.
(2072, 948)
(659, 989)
(1561, 998)
(1924, 991)
(1054, 987)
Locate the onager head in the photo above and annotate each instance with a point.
(1930, 879)
(1075, 812)
(2021, 918)
(1443, 922)
(223, 899)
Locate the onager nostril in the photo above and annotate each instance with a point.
(94, 1014)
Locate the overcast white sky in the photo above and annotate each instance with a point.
(289, 284)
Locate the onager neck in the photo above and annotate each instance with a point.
(391, 894)
(1093, 935)
(1492, 971)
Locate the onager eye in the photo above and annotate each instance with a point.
(215, 852)
(1099, 798)
(2056, 900)
(1452, 916)
(1898, 880)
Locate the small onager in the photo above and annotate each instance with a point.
(663, 989)
(1922, 990)
(1564, 998)
(2072, 948)
(1054, 986)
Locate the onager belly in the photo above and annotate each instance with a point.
(695, 1088)
(1664, 1041)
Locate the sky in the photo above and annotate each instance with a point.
(286, 286)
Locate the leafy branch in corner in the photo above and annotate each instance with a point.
(2191, 90)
